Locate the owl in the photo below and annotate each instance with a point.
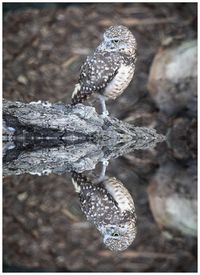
(109, 70)
(110, 207)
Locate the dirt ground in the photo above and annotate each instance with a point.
(43, 226)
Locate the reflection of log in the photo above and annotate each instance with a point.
(57, 138)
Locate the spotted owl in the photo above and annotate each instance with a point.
(110, 207)
(109, 70)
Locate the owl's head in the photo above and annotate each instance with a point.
(118, 39)
(119, 238)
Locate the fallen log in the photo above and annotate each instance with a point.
(42, 138)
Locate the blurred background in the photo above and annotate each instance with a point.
(44, 46)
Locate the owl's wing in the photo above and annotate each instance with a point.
(86, 188)
(111, 193)
(92, 196)
(97, 71)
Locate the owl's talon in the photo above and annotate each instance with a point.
(105, 162)
(105, 114)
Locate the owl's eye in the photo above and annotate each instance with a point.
(116, 41)
(115, 234)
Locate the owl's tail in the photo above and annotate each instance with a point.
(79, 96)
(77, 180)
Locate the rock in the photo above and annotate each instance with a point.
(22, 80)
(173, 198)
(173, 78)
(182, 138)
(22, 196)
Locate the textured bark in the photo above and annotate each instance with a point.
(42, 138)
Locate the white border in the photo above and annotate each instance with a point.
(89, 1)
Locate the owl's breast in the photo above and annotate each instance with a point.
(120, 82)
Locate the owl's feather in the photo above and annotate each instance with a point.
(120, 194)
(97, 71)
(108, 72)
(107, 195)
(110, 207)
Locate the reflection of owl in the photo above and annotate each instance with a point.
(110, 207)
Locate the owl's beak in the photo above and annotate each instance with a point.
(107, 233)
(109, 45)
(106, 237)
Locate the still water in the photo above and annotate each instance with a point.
(76, 206)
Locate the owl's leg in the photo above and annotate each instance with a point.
(103, 105)
(103, 171)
